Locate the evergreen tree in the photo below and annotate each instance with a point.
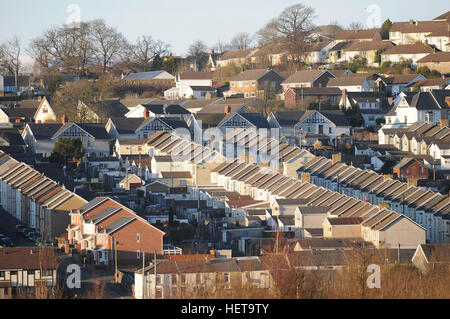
(66, 150)
(157, 63)
(385, 29)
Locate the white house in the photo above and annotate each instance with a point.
(413, 52)
(350, 84)
(409, 108)
(185, 81)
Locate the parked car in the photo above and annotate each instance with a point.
(7, 242)
(34, 236)
(20, 228)
(26, 231)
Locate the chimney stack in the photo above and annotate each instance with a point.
(336, 158)
(306, 178)
(146, 114)
(384, 205)
(64, 119)
(227, 109)
(211, 51)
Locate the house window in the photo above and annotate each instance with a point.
(44, 110)
(47, 273)
(139, 148)
(138, 238)
(158, 279)
(158, 293)
(2, 274)
(174, 280)
(183, 279)
(253, 83)
(145, 135)
(330, 130)
(198, 278)
(232, 84)
(246, 83)
(138, 254)
(406, 120)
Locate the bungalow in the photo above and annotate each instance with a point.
(439, 61)
(350, 84)
(412, 52)
(317, 52)
(358, 35)
(366, 49)
(153, 75)
(431, 84)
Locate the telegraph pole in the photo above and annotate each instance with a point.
(154, 271)
(143, 275)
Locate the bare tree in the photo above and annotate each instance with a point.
(10, 57)
(241, 41)
(356, 26)
(197, 52)
(146, 49)
(108, 43)
(291, 28)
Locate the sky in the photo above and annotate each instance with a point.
(181, 22)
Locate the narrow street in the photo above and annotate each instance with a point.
(8, 228)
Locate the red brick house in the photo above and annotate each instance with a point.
(411, 168)
(103, 227)
(295, 96)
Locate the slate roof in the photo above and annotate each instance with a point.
(209, 120)
(160, 109)
(419, 27)
(304, 76)
(22, 113)
(346, 81)
(250, 75)
(44, 131)
(256, 119)
(144, 75)
(368, 46)
(108, 108)
(436, 57)
(125, 125)
(416, 48)
(22, 258)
